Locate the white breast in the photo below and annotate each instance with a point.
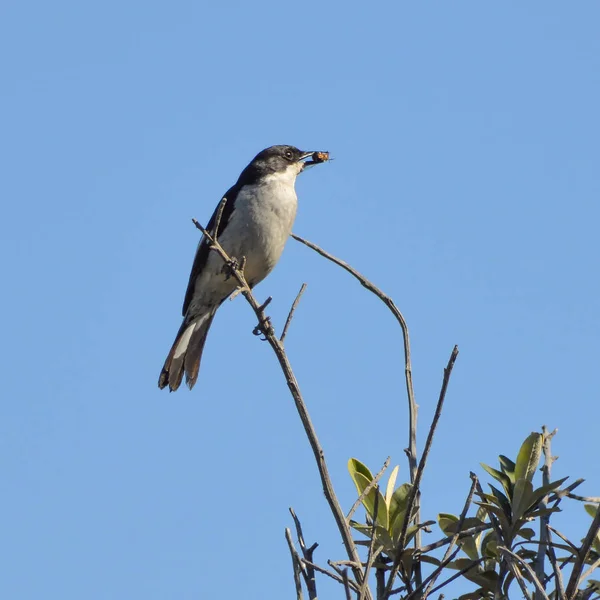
(261, 223)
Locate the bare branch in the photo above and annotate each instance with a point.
(545, 520)
(295, 563)
(593, 499)
(333, 576)
(307, 553)
(582, 557)
(291, 313)
(372, 552)
(415, 489)
(560, 586)
(294, 388)
(368, 489)
(473, 564)
(412, 405)
(449, 555)
(517, 559)
(589, 571)
(462, 534)
(347, 584)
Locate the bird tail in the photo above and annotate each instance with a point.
(186, 352)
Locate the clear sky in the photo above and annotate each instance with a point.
(465, 185)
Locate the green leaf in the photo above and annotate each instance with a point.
(361, 481)
(355, 466)
(381, 535)
(528, 458)
(390, 486)
(397, 510)
(499, 513)
(502, 501)
(501, 477)
(526, 532)
(459, 564)
(430, 559)
(540, 493)
(446, 521)
(508, 467)
(489, 545)
(591, 509)
(449, 525)
(521, 501)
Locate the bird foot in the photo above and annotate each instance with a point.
(233, 265)
(264, 328)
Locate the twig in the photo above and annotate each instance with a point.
(430, 581)
(291, 313)
(380, 583)
(545, 520)
(594, 499)
(519, 577)
(372, 553)
(589, 571)
(307, 553)
(462, 534)
(449, 555)
(413, 493)
(368, 489)
(516, 558)
(294, 388)
(333, 576)
(557, 572)
(556, 497)
(457, 575)
(347, 585)
(295, 563)
(412, 405)
(583, 554)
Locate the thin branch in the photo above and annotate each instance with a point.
(545, 520)
(347, 584)
(557, 571)
(457, 575)
(556, 497)
(412, 405)
(516, 558)
(307, 553)
(461, 535)
(593, 499)
(294, 388)
(565, 539)
(295, 562)
(368, 489)
(372, 553)
(430, 581)
(413, 492)
(291, 313)
(582, 557)
(333, 576)
(449, 555)
(589, 571)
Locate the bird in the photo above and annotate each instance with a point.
(256, 221)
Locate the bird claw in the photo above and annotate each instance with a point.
(264, 328)
(233, 265)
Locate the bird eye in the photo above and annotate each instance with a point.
(289, 154)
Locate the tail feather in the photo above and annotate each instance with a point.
(186, 352)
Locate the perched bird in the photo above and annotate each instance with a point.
(256, 221)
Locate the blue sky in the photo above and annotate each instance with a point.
(465, 185)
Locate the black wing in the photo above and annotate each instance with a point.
(203, 247)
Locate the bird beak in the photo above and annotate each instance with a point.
(315, 158)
